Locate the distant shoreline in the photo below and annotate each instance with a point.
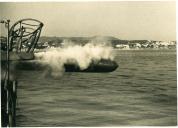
(146, 49)
(51, 42)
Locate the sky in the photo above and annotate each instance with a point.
(131, 20)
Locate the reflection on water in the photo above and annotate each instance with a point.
(142, 91)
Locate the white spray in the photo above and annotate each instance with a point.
(70, 53)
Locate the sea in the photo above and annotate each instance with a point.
(141, 92)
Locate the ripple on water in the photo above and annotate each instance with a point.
(142, 92)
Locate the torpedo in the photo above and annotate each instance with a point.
(27, 61)
(103, 65)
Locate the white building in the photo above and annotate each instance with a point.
(123, 46)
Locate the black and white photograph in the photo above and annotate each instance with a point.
(88, 63)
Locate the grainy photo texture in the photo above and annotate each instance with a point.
(88, 63)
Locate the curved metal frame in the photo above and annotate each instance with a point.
(21, 36)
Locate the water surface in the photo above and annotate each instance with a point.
(142, 91)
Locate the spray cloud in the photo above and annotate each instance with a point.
(80, 55)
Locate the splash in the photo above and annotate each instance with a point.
(76, 54)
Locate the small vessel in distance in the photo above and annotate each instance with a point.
(103, 65)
